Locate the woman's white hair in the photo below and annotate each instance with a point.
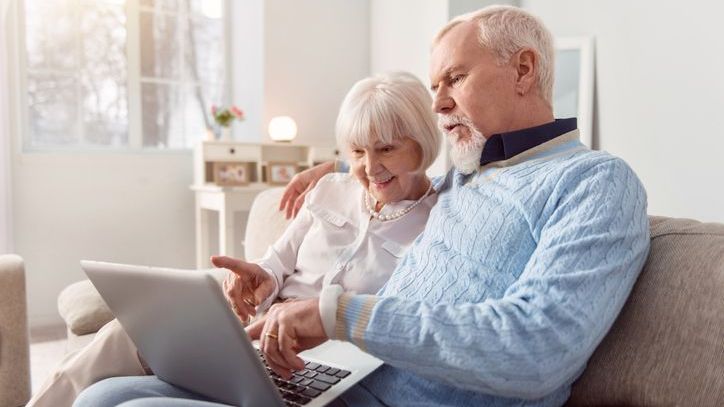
(386, 107)
(506, 30)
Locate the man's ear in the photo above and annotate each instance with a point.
(526, 65)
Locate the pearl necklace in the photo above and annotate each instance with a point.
(396, 214)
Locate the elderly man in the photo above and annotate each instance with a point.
(527, 258)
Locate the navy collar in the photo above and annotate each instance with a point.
(506, 145)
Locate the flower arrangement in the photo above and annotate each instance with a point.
(223, 116)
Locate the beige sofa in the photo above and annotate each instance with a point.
(667, 346)
(14, 349)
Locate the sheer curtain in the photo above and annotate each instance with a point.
(6, 245)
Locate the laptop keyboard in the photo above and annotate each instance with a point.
(305, 384)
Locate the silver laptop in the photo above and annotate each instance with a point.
(184, 328)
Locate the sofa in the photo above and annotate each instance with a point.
(14, 346)
(667, 346)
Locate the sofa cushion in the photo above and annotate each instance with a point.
(82, 308)
(265, 223)
(667, 345)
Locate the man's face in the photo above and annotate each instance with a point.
(469, 84)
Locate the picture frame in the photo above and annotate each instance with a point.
(235, 173)
(280, 172)
(573, 86)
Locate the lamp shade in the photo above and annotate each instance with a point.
(282, 128)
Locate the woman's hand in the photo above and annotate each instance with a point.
(300, 184)
(287, 329)
(245, 287)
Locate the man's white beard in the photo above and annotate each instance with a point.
(465, 154)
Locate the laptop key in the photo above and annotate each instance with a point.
(303, 400)
(310, 374)
(305, 382)
(322, 369)
(311, 365)
(321, 386)
(297, 379)
(311, 392)
(327, 378)
(332, 371)
(342, 374)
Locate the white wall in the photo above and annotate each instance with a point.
(314, 51)
(137, 207)
(400, 36)
(660, 93)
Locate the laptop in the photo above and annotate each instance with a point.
(188, 335)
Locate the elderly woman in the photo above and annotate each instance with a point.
(351, 231)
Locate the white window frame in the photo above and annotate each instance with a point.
(134, 81)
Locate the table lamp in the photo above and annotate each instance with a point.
(282, 128)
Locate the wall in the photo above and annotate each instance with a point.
(137, 207)
(659, 93)
(400, 36)
(314, 51)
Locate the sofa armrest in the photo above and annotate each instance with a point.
(14, 343)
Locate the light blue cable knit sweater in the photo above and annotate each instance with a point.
(520, 272)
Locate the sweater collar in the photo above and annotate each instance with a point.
(503, 146)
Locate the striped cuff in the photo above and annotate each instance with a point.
(353, 316)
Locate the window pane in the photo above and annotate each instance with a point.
(162, 114)
(160, 46)
(52, 110)
(207, 8)
(50, 28)
(205, 53)
(196, 118)
(167, 5)
(104, 75)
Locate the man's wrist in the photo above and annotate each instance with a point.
(328, 307)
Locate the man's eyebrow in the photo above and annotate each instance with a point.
(446, 75)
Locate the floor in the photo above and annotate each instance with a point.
(47, 347)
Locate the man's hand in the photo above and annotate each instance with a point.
(300, 184)
(245, 287)
(287, 329)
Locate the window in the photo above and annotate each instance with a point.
(104, 74)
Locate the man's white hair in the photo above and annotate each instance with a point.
(386, 107)
(505, 30)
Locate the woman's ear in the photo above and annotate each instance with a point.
(526, 66)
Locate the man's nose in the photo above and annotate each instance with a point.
(442, 103)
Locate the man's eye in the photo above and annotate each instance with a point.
(457, 78)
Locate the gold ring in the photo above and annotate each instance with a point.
(272, 335)
(249, 302)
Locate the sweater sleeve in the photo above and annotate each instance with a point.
(538, 336)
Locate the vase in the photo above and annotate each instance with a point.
(225, 133)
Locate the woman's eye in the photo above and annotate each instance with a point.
(387, 149)
(457, 78)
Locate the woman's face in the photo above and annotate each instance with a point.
(389, 172)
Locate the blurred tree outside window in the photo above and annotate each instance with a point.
(104, 74)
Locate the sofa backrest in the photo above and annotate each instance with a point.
(667, 346)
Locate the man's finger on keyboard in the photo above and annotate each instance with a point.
(287, 344)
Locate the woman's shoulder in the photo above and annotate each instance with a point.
(333, 188)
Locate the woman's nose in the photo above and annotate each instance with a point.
(371, 164)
